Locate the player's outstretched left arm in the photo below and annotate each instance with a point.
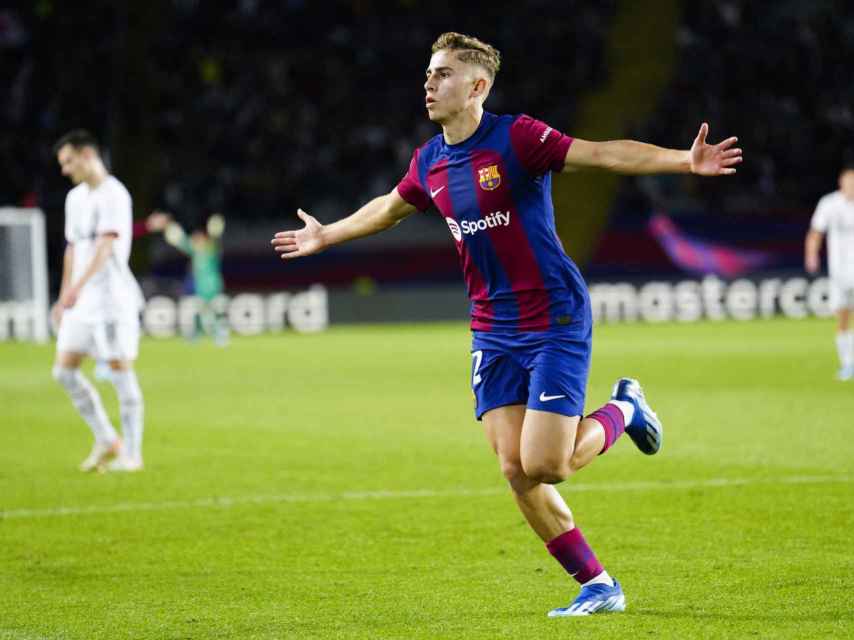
(635, 158)
(377, 215)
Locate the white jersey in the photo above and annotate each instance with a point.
(834, 216)
(112, 293)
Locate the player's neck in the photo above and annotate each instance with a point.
(97, 176)
(463, 125)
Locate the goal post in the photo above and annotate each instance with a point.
(23, 275)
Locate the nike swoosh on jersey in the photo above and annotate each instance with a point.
(545, 398)
(435, 193)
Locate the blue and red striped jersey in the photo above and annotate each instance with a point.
(494, 191)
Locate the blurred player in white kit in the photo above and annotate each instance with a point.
(97, 313)
(834, 218)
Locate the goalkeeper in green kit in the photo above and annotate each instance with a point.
(205, 251)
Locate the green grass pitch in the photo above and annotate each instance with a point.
(337, 486)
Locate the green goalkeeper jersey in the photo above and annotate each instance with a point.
(205, 255)
(206, 265)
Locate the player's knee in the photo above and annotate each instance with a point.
(551, 475)
(511, 469)
(548, 470)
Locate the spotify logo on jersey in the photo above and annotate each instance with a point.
(471, 227)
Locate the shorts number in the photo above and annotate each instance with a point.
(475, 376)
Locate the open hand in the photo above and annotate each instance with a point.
(300, 242)
(713, 159)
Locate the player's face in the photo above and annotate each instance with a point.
(846, 184)
(73, 163)
(450, 86)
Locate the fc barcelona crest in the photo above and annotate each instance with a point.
(489, 177)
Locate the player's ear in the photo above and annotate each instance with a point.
(481, 86)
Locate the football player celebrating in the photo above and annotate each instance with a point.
(489, 176)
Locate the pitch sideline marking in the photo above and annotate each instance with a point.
(226, 502)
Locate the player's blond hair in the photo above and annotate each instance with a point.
(470, 50)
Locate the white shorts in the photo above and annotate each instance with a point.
(841, 294)
(104, 340)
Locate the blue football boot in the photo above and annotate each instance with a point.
(595, 598)
(645, 428)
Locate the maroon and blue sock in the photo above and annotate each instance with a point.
(612, 419)
(575, 555)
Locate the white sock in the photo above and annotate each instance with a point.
(845, 348)
(627, 408)
(86, 400)
(602, 578)
(131, 409)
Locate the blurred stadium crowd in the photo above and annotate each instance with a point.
(250, 102)
(778, 75)
(255, 107)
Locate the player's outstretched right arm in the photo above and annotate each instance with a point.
(377, 215)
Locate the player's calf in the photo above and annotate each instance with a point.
(131, 409)
(88, 403)
(613, 419)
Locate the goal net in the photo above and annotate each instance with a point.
(23, 275)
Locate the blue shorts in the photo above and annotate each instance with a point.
(543, 370)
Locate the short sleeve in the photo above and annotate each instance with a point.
(114, 212)
(410, 188)
(539, 147)
(821, 217)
